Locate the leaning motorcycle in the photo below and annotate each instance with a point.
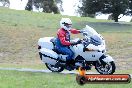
(89, 51)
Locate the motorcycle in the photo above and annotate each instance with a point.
(89, 51)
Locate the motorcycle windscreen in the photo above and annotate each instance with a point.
(49, 56)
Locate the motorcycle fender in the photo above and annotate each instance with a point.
(108, 59)
(49, 56)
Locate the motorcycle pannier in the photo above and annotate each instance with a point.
(49, 56)
(46, 43)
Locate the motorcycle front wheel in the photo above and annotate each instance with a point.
(53, 68)
(109, 68)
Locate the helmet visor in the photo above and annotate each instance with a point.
(67, 25)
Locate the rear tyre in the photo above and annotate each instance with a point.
(109, 68)
(54, 68)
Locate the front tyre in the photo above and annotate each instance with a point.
(109, 68)
(53, 68)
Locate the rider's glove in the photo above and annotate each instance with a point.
(81, 31)
(79, 41)
(74, 43)
(84, 33)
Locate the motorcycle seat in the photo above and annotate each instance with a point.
(55, 50)
(53, 41)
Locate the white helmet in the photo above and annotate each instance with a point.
(66, 23)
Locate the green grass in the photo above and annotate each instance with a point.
(15, 79)
(20, 31)
(39, 20)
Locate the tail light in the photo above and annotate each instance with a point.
(39, 47)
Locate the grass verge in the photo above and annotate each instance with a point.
(15, 79)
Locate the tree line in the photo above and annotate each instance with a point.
(5, 2)
(113, 7)
(89, 7)
(48, 6)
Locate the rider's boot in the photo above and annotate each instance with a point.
(70, 65)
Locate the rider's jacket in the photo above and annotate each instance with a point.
(63, 36)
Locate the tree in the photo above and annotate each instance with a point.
(130, 6)
(5, 3)
(47, 5)
(29, 5)
(114, 7)
(59, 2)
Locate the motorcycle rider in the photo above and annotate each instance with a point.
(63, 39)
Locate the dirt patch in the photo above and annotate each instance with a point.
(19, 46)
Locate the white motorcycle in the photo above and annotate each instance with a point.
(89, 51)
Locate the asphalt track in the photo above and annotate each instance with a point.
(45, 71)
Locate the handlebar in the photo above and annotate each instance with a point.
(78, 42)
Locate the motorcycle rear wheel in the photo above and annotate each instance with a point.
(53, 68)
